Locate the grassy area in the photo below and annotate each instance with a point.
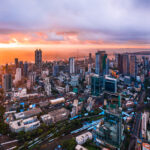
(91, 146)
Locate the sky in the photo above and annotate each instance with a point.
(72, 24)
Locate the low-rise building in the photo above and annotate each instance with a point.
(27, 114)
(59, 115)
(47, 119)
(24, 125)
(79, 147)
(57, 100)
(81, 139)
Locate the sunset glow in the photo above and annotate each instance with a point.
(74, 25)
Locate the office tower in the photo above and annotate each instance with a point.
(110, 84)
(133, 66)
(100, 64)
(6, 68)
(18, 75)
(21, 66)
(90, 58)
(47, 86)
(7, 82)
(97, 84)
(38, 57)
(72, 65)
(116, 59)
(16, 62)
(120, 63)
(25, 69)
(55, 70)
(32, 77)
(89, 68)
(110, 131)
(125, 64)
(107, 66)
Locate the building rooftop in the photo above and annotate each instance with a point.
(28, 113)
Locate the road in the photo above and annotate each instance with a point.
(137, 123)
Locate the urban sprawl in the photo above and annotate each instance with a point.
(91, 103)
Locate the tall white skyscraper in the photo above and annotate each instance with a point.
(72, 65)
(18, 75)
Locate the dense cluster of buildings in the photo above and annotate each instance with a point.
(49, 92)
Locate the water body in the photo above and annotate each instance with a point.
(8, 55)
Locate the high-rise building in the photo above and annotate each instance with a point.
(110, 131)
(16, 62)
(133, 66)
(107, 66)
(120, 63)
(7, 82)
(125, 64)
(38, 57)
(18, 75)
(145, 118)
(25, 69)
(116, 59)
(100, 64)
(32, 77)
(89, 68)
(110, 84)
(6, 68)
(90, 58)
(97, 84)
(55, 70)
(47, 86)
(72, 65)
(21, 66)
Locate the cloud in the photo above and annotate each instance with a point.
(94, 20)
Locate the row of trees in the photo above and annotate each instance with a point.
(4, 128)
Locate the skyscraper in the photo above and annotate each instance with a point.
(21, 66)
(120, 63)
(107, 66)
(18, 75)
(100, 64)
(55, 70)
(133, 66)
(16, 62)
(6, 68)
(110, 84)
(7, 82)
(110, 131)
(97, 84)
(25, 69)
(125, 64)
(72, 65)
(38, 57)
(90, 58)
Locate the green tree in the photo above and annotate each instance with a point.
(69, 144)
